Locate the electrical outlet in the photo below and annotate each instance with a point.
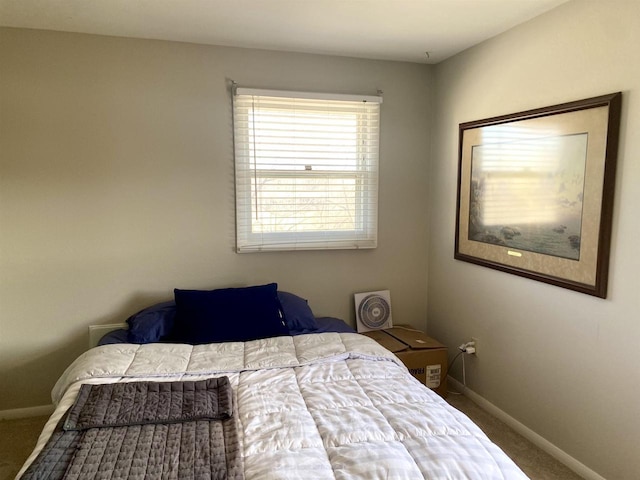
(475, 344)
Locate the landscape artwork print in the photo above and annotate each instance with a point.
(536, 190)
(528, 195)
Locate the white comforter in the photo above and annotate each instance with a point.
(312, 406)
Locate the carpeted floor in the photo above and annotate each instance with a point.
(536, 463)
(18, 437)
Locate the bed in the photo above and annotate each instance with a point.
(325, 405)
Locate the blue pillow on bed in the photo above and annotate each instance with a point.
(155, 323)
(228, 315)
(297, 312)
(151, 324)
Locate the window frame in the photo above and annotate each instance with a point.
(364, 173)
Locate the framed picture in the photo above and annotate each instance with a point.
(535, 193)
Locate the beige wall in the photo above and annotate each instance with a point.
(116, 185)
(562, 363)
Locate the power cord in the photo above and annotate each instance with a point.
(468, 348)
(449, 368)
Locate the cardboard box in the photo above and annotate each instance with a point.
(425, 357)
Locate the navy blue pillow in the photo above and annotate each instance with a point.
(151, 324)
(228, 315)
(297, 312)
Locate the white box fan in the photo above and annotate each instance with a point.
(373, 310)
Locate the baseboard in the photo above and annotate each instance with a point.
(26, 412)
(545, 445)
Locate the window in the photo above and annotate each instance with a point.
(306, 170)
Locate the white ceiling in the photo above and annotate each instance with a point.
(379, 29)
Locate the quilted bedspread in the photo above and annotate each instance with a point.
(145, 431)
(325, 406)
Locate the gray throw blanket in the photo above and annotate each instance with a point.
(145, 430)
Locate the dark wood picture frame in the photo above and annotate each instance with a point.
(535, 192)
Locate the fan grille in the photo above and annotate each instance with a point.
(374, 311)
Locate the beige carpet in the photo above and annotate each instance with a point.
(18, 437)
(536, 463)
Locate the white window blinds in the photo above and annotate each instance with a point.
(306, 170)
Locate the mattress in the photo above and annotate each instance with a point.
(325, 406)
